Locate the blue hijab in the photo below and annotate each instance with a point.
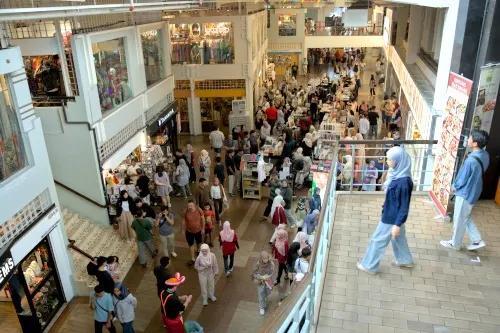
(123, 290)
(402, 165)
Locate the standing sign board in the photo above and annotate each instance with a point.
(457, 98)
(486, 97)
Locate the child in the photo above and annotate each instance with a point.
(219, 169)
(112, 267)
(302, 264)
(209, 224)
(301, 212)
(280, 253)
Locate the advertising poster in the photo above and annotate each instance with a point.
(457, 97)
(487, 92)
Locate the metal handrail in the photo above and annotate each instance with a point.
(80, 195)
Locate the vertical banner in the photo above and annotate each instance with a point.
(487, 92)
(457, 98)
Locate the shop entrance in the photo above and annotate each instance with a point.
(33, 292)
(215, 112)
(282, 61)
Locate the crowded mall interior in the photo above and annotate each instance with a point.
(276, 166)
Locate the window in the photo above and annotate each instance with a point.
(287, 25)
(111, 71)
(12, 154)
(152, 50)
(206, 43)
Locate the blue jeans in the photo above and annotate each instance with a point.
(462, 222)
(289, 217)
(231, 261)
(128, 327)
(378, 244)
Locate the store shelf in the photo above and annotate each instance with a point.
(40, 284)
(252, 189)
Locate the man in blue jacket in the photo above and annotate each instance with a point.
(468, 186)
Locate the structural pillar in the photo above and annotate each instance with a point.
(414, 34)
(403, 14)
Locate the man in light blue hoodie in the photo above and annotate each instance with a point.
(468, 186)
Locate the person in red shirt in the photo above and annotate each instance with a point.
(209, 224)
(272, 115)
(229, 243)
(280, 253)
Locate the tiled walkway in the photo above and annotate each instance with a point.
(446, 291)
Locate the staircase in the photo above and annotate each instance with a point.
(97, 241)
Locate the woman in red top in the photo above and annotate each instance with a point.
(280, 253)
(279, 216)
(229, 243)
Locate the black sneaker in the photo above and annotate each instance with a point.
(276, 282)
(190, 262)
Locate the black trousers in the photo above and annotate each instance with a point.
(267, 211)
(99, 325)
(218, 208)
(281, 268)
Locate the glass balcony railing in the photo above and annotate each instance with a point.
(321, 30)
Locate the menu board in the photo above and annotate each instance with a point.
(486, 97)
(457, 98)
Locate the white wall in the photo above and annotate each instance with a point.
(36, 46)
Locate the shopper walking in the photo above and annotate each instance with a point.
(364, 126)
(204, 162)
(102, 275)
(142, 186)
(373, 84)
(315, 201)
(202, 196)
(182, 174)
(230, 169)
(124, 304)
(262, 274)
(206, 265)
(237, 165)
(467, 188)
(272, 115)
(218, 196)
(216, 140)
(142, 228)
(193, 226)
(373, 120)
(229, 243)
(273, 184)
(102, 304)
(162, 274)
(189, 154)
(287, 193)
(172, 305)
(311, 221)
(280, 253)
(163, 187)
(391, 227)
(165, 224)
(125, 208)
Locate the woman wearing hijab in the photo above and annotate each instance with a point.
(204, 161)
(265, 131)
(273, 184)
(315, 201)
(304, 173)
(162, 185)
(125, 207)
(182, 173)
(262, 274)
(370, 178)
(124, 304)
(276, 202)
(280, 253)
(391, 228)
(189, 154)
(229, 243)
(307, 145)
(396, 116)
(206, 265)
(298, 155)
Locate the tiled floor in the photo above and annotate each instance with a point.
(446, 291)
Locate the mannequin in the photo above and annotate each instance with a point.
(261, 168)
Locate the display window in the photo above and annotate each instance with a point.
(215, 112)
(287, 25)
(111, 70)
(205, 43)
(44, 76)
(152, 50)
(12, 153)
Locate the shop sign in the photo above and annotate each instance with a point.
(457, 97)
(7, 267)
(486, 97)
(217, 30)
(149, 34)
(165, 118)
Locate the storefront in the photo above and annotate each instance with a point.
(283, 61)
(163, 130)
(202, 43)
(30, 277)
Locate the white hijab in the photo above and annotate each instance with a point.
(277, 201)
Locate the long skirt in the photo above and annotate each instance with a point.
(124, 224)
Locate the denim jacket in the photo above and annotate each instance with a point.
(469, 182)
(397, 201)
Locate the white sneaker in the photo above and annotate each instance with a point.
(228, 273)
(213, 298)
(173, 254)
(396, 263)
(24, 312)
(476, 245)
(169, 205)
(262, 312)
(449, 244)
(205, 302)
(361, 268)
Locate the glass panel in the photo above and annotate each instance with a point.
(47, 301)
(207, 43)
(12, 153)
(111, 71)
(287, 25)
(152, 50)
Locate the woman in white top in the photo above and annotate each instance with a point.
(129, 186)
(162, 185)
(218, 196)
(204, 161)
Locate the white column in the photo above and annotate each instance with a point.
(438, 33)
(403, 14)
(414, 34)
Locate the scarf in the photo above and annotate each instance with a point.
(279, 243)
(402, 165)
(123, 291)
(205, 259)
(227, 234)
(263, 268)
(278, 199)
(204, 153)
(184, 167)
